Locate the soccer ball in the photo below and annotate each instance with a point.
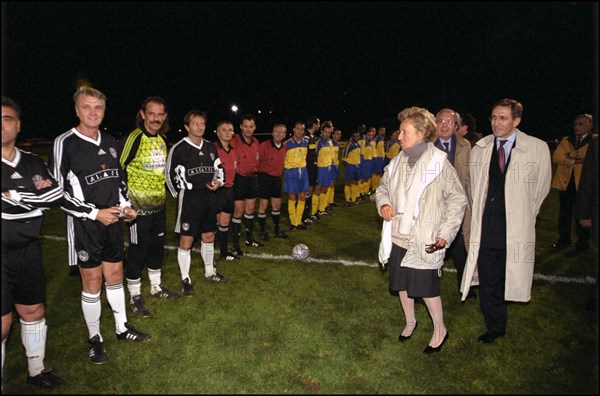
(300, 252)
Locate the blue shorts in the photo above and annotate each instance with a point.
(295, 180)
(335, 172)
(366, 168)
(377, 165)
(324, 176)
(352, 173)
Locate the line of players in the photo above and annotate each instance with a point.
(105, 181)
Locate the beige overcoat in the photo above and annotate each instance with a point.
(461, 164)
(527, 184)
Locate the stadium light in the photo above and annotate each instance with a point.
(234, 108)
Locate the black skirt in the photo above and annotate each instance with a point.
(417, 283)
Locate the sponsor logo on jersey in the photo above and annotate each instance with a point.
(16, 175)
(101, 152)
(37, 179)
(113, 152)
(103, 174)
(201, 169)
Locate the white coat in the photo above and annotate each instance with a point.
(527, 183)
(441, 205)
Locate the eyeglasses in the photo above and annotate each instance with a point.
(449, 122)
(501, 118)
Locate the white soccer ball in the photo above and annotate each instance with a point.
(300, 252)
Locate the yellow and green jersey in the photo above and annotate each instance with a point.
(143, 158)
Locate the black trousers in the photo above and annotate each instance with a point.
(458, 252)
(146, 244)
(491, 265)
(567, 200)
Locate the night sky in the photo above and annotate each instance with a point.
(350, 62)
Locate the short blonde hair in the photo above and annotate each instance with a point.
(84, 90)
(422, 120)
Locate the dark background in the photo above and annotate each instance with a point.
(351, 62)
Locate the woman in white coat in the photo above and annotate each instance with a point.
(422, 204)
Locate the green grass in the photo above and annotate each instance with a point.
(283, 326)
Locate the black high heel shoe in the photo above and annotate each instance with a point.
(429, 349)
(402, 338)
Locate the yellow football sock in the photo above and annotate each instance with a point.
(323, 198)
(315, 204)
(299, 212)
(292, 211)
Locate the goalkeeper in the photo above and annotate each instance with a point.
(143, 158)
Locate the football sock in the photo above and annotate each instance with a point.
(300, 211)
(315, 204)
(134, 286)
(154, 275)
(33, 337)
(262, 219)
(323, 198)
(249, 223)
(307, 206)
(292, 212)
(115, 295)
(184, 258)
(207, 251)
(236, 227)
(275, 218)
(3, 353)
(354, 192)
(222, 236)
(91, 307)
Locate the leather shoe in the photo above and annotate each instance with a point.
(429, 349)
(402, 338)
(489, 337)
(560, 244)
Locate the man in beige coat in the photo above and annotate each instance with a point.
(458, 150)
(510, 178)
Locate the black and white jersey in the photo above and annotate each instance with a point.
(22, 210)
(21, 177)
(190, 166)
(89, 172)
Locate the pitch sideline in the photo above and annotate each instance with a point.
(588, 280)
